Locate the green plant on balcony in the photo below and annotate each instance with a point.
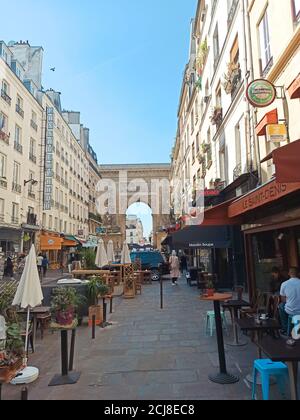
(217, 116)
(205, 149)
(202, 56)
(231, 77)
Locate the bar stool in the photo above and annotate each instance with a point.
(293, 321)
(211, 322)
(269, 369)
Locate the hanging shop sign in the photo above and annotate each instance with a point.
(277, 133)
(261, 93)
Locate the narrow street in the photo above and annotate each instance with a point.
(148, 354)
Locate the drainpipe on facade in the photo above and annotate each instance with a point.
(255, 138)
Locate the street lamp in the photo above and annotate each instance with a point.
(32, 181)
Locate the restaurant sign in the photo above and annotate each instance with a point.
(261, 93)
(262, 196)
(277, 133)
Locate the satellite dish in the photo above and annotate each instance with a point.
(11, 43)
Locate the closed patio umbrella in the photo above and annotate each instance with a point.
(125, 256)
(101, 256)
(110, 252)
(29, 293)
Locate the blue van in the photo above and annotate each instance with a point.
(154, 261)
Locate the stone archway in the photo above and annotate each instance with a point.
(124, 178)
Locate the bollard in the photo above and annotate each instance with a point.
(94, 327)
(161, 293)
(24, 394)
(72, 349)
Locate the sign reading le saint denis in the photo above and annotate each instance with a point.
(261, 93)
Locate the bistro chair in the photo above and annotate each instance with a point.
(268, 369)
(292, 322)
(211, 323)
(43, 321)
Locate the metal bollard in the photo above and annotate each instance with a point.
(94, 327)
(24, 394)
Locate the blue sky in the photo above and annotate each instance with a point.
(118, 62)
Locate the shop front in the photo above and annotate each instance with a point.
(10, 241)
(51, 245)
(271, 226)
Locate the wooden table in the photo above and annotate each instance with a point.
(223, 377)
(278, 351)
(82, 274)
(234, 306)
(40, 310)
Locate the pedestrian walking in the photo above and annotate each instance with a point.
(175, 268)
(39, 261)
(9, 268)
(45, 265)
(183, 264)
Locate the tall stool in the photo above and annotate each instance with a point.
(211, 322)
(269, 369)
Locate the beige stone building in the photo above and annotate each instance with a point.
(275, 35)
(21, 118)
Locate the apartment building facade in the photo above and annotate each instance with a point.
(21, 118)
(45, 166)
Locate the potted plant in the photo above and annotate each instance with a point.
(64, 303)
(96, 289)
(210, 291)
(205, 148)
(217, 115)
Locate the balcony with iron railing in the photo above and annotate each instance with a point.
(19, 111)
(3, 183)
(1, 217)
(57, 177)
(14, 220)
(4, 137)
(32, 157)
(34, 125)
(56, 205)
(31, 219)
(31, 195)
(231, 13)
(5, 96)
(18, 147)
(16, 188)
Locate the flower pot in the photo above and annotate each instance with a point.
(65, 317)
(210, 292)
(7, 373)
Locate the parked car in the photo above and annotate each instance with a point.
(154, 261)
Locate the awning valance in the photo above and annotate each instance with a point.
(270, 118)
(201, 237)
(51, 242)
(70, 241)
(294, 88)
(218, 216)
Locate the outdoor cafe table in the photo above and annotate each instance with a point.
(82, 274)
(234, 306)
(223, 378)
(278, 351)
(40, 310)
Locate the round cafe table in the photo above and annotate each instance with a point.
(223, 377)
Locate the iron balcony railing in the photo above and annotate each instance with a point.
(31, 219)
(16, 188)
(3, 183)
(5, 137)
(14, 220)
(19, 110)
(32, 157)
(18, 147)
(1, 217)
(31, 195)
(34, 125)
(5, 96)
(231, 13)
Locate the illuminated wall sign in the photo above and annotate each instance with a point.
(261, 93)
(277, 133)
(48, 178)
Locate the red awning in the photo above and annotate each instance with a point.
(218, 216)
(294, 88)
(270, 118)
(286, 160)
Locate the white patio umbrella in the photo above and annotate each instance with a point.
(111, 252)
(125, 256)
(29, 293)
(101, 256)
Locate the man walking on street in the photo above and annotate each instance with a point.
(40, 263)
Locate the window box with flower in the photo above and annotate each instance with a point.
(217, 116)
(232, 78)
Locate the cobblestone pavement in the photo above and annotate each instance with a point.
(147, 354)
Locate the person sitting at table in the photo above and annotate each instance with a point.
(277, 279)
(290, 298)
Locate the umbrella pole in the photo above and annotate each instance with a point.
(27, 334)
